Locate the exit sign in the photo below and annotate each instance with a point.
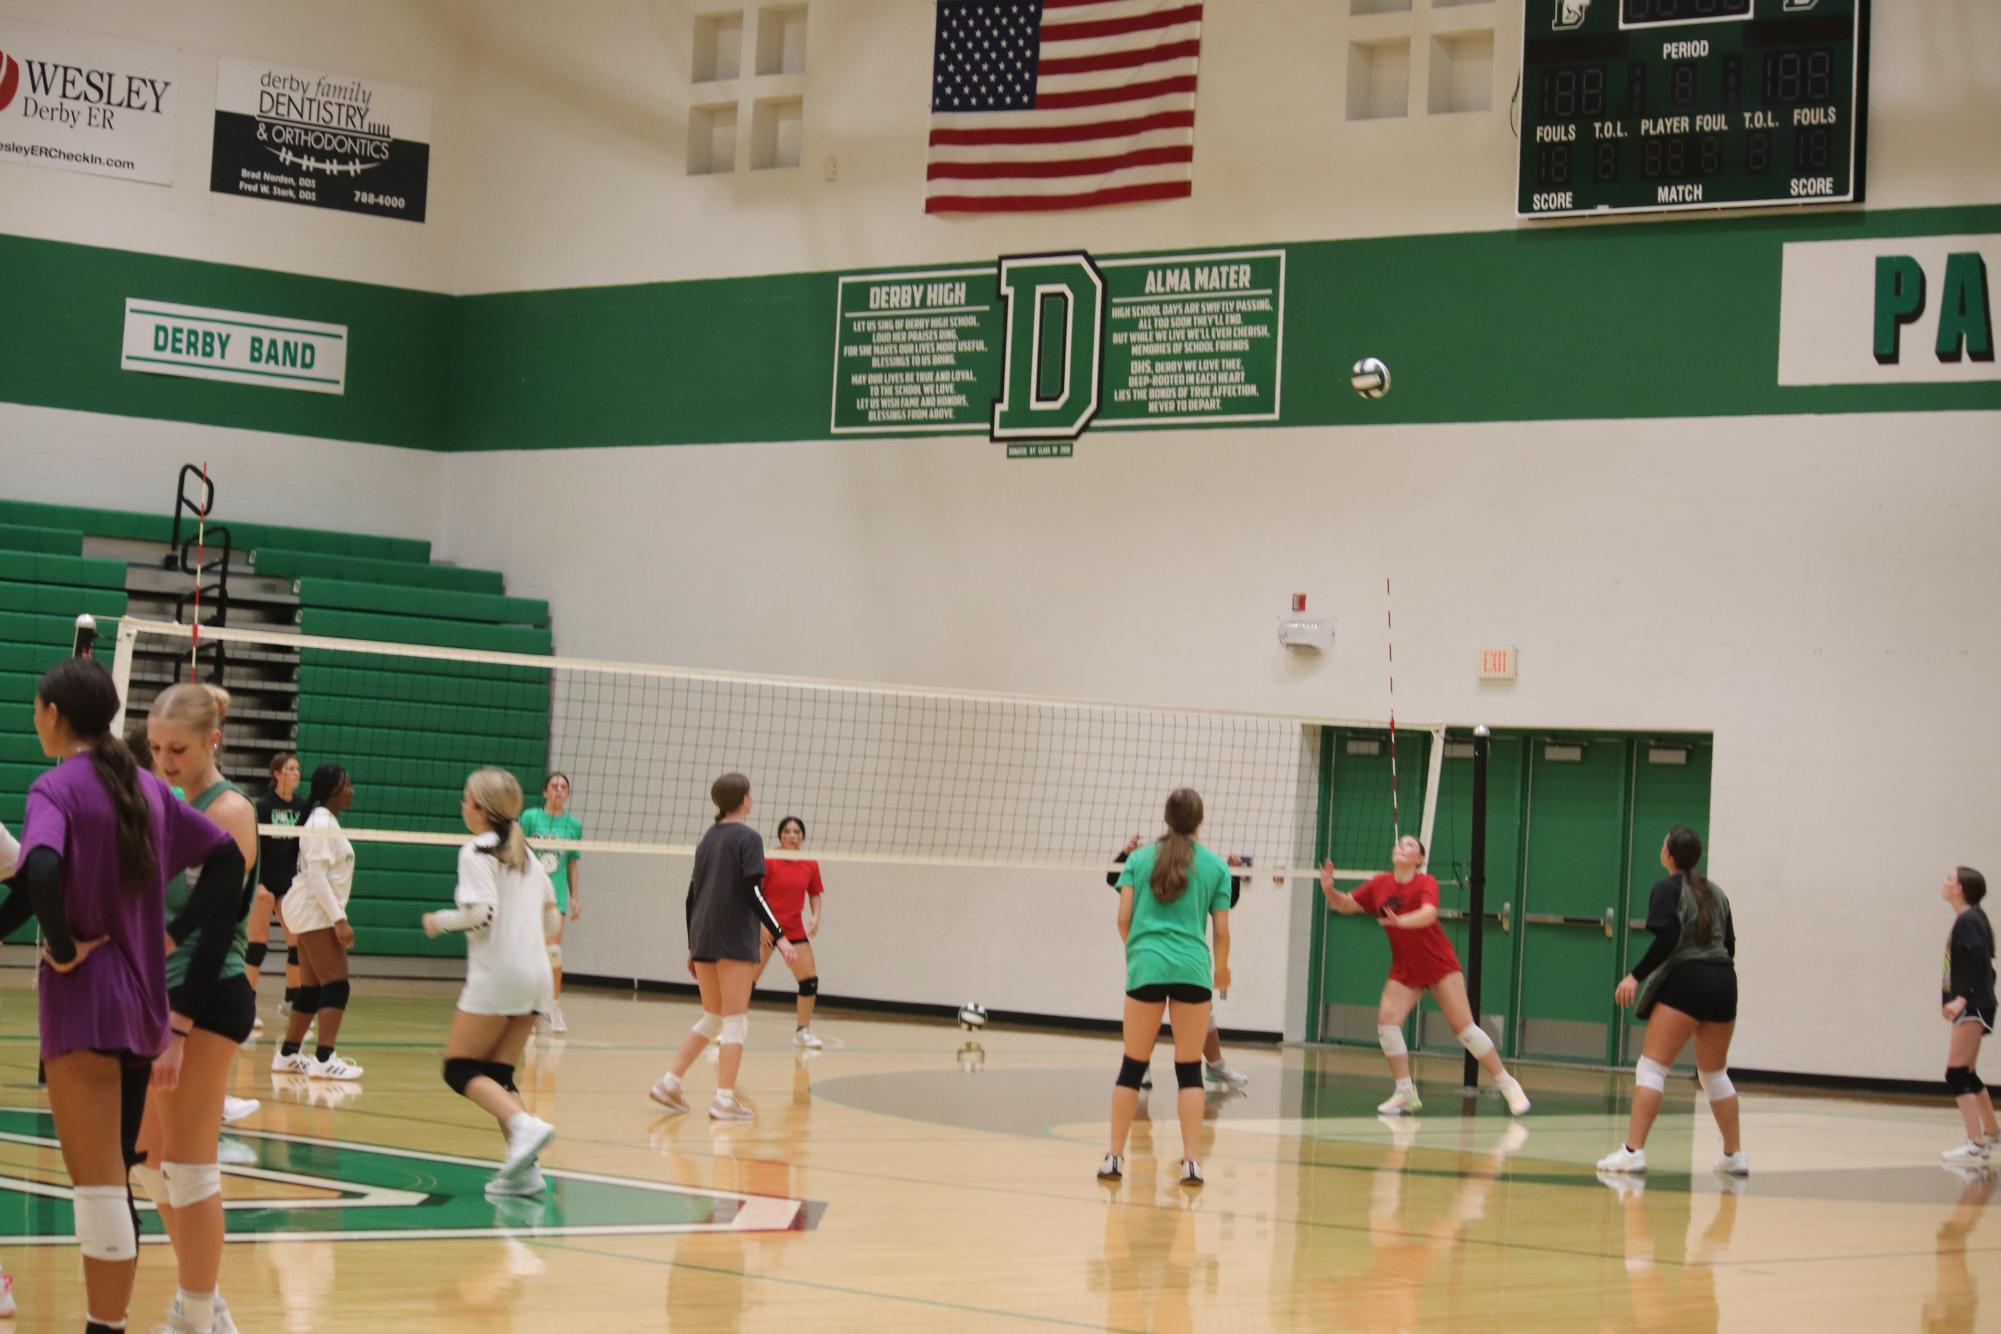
(1497, 664)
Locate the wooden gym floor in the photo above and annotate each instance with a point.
(902, 1181)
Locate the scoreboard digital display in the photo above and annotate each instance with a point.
(1634, 106)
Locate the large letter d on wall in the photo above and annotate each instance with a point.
(1055, 353)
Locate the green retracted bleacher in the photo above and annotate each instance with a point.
(408, 730)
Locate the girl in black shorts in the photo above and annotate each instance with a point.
(1686, 986)
(1967, 1000)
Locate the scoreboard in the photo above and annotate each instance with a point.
(1654, 105)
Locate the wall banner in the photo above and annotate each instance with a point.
(268, 350)
(80, 101)
(298, 136)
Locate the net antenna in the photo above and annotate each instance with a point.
(1390, 644)
(883, 774)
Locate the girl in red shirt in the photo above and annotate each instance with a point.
(793, 889)
(1405, 901)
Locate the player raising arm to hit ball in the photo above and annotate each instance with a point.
(1405, 901)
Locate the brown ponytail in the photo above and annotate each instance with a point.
(1684, 848)
(81, 692)
(1177, 847)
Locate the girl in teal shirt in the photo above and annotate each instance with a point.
(1168, 892)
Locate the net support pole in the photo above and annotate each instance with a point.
(1476, 894)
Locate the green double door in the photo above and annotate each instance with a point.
(1574, 828)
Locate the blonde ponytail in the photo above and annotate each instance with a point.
(497, 793)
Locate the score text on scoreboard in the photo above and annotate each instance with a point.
(1655, 105)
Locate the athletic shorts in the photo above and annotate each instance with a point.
(230, 1011)
(1181, 993)
(795, 933)
(1418, 978)
(1705, 992)
(1985, 1018)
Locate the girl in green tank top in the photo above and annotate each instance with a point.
(211, 1002)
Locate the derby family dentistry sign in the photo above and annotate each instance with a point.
(78, 101)
(165, 339)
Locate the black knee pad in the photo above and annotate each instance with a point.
(254, 953)
(502, 1075)
(1130, 1073)
(1188, 1074)
(333, 995)
(1961, 1082)
(809, 986)
(133, 1079)
(292, 955)
(306, 999)
(461, 1071)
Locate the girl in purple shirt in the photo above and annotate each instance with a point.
(100, 839)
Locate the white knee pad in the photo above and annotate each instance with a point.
(191, 1183)
(735, 1028)
(1391, 1036)
(1716, 1083)
(1650, 1074)
(104, 1223)
(708, 1025)
(555, 954)
(1475, 1040)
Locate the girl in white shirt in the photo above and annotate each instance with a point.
(505, 903)
(315, 912)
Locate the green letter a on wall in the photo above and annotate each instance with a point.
(1055, 352)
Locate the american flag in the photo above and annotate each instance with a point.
(1056, 104)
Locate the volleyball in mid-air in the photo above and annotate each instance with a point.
(1370, 377)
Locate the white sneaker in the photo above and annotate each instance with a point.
(234, 1153)
(1736, 1164)
(1191, 1172)
(804, 1037)
(1112, 1169)
(1404, 1102)
(238, 1109)
(667, 1093)
(295, 1064)
(284, 1009)
(729, 1109)
(1623, 1159)
(6, 1295)
(557, 1024)
(1146, 1081)
(1220, 1073)
(1973, 1153)
(526, 1138)
(256, 1025)
(334, 1066)
(225, 1323)
(1518, 1101)
(527, 1182)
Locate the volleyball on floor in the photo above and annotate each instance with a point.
(1370, 377)
(972, 1016)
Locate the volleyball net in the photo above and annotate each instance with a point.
(878, 773)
